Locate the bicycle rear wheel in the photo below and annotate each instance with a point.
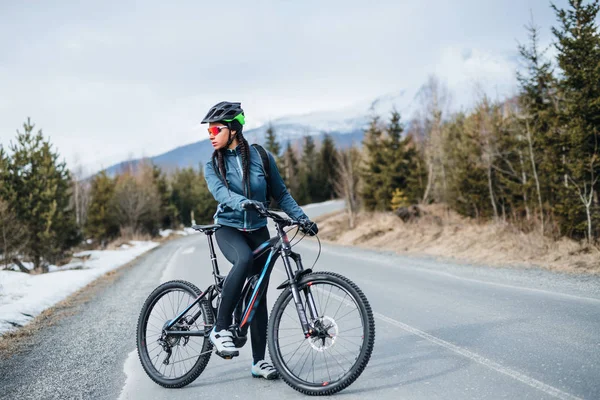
(174, 361)
(339, 348)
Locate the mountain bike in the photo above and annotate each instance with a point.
(321, 330)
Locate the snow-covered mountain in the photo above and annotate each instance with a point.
(345, 120)
(346, 126)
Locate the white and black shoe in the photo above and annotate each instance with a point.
(223, 342)
(264, 369)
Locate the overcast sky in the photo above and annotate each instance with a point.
(111, 79)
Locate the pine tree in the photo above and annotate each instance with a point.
(190, 194)
(13, 234)
(101, 223)
(372, 173)
(40, 186)
(167, 210)
(578, 45)
(326, 172)
(308, 189)
(290, 171)
(399, 162)
(542, 169)
(6, 191)
(468, 187)
(272, 145)
(417, 173)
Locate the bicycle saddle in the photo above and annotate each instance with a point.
(208, 229)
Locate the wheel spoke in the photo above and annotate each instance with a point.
(183, 359)
(305, 364)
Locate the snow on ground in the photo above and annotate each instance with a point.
(186, 231)
(24, 296)
(168, 232)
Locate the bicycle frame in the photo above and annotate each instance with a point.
(276, 246)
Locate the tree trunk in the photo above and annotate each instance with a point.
(589, 221)
(524, 186)
(492, 199)
(429, 183)
(77, 205)
(535, 175)
(20, 265)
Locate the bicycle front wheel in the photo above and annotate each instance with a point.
(342, 338)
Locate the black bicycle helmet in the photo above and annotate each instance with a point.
(225, 111)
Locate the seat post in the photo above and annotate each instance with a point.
(213, 256)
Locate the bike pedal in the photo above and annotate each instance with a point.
(225, 356)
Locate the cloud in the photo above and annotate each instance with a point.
(108, 79)
(469, 70)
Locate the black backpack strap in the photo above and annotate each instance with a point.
(266, 165)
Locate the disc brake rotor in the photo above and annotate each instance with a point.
(326, 335)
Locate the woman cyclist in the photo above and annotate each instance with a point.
(237, 180)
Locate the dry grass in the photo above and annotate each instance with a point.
(440, 232)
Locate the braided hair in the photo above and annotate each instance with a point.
(218, 157)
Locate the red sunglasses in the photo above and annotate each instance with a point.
(215, 130)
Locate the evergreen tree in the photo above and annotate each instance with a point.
(578, 45)
(290, 172)
(272, 145)
(13, 234)
(206, 205)
(417, 173)
(542, 167)
(39, 183)
(399, 163)
(167, 210)
(326, 171)
(190, 194)
(6, 191)
(468, 182)
(308, 178)
(101, 223)
(373, 193)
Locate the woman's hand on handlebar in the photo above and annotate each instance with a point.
(254, 205)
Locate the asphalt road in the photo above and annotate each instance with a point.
(443, 331)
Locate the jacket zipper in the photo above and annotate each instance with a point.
(242, 176)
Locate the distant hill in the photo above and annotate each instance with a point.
(346, 127)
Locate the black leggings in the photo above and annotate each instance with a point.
(237, 247)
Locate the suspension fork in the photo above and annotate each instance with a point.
(286, 254)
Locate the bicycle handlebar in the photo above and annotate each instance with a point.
(264, 212)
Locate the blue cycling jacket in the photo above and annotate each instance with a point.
(229, 211)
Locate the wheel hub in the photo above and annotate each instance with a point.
(325, 334)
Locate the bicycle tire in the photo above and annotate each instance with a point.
(208, 319)
(362, 360)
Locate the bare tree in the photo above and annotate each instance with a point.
(435, 101)
(135, 199)
(346, 186)
(489, 150)
(535, 173)
(587, 194)
(80, 199)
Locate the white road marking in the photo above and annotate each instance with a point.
(189, 250)
(392, 264)
(534, 383)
